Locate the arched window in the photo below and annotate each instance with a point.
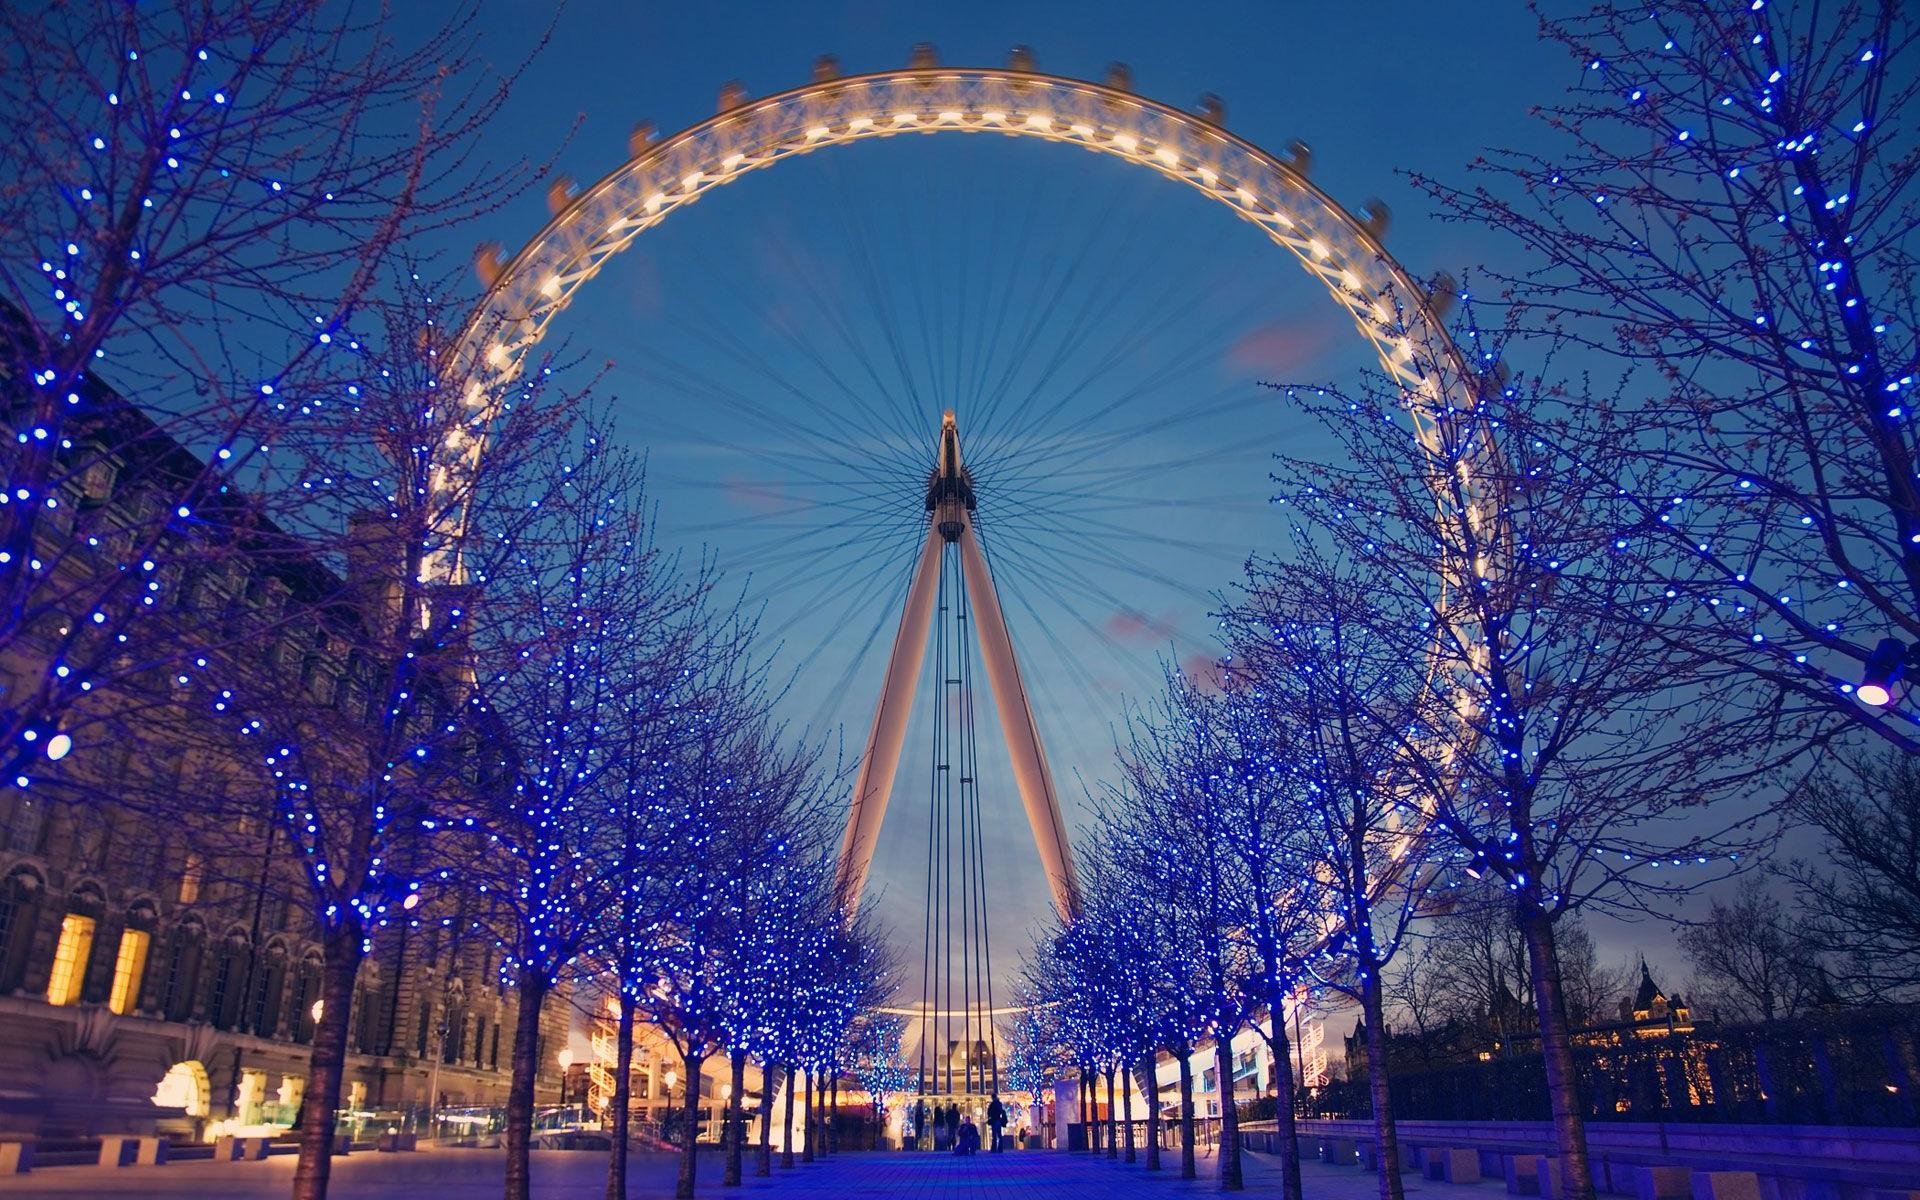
(73, 953)
(269, 985)
(130, 958)
(306, 993)
(20, 899)
(453, 1046)
(186, 950)
(232, 958)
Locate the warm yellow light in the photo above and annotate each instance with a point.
(613, 1006)
(732, 160)
(817, 132)
(1126, 142)
(565, 1058)
(70, 959)
(1247, 198)
(860, 123)
(1039, 121)
(129, 966)
(668, 1078)
(318, 1010)
(1166, 155)
(726, 1091)
(993, 116)
(497, 355)
(656, 202)
(691, 182)
(1082, 130)
(1317, 248)
(552, 285)
(1208, 177)
(950, 115)
(1874, 694)
(905, 118)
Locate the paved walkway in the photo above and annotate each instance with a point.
(581, 1175)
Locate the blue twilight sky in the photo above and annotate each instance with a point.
(783, 348)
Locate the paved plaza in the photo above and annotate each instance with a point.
(564, 1175)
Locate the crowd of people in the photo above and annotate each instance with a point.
(948, 1127)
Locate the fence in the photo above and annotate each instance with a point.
(1853, 1067)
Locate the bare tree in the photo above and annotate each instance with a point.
(1863, 902)
(204, 201)
(1752, 960)
(1727, 217)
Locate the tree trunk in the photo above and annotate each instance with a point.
(1556, 1044)
(1231, 1177)
(1113, 1115)
(1150, 1084)
(807, 1115)
(1286, 1117)
(1090, 1116)
(340, 968)
(736, 1133)
(1126, 1098)
(690, 1150)
(526, 1062)
(1386, 1137)
(1186, 1118)
(786, 1132)
(621, 1108)
(830, 1132)
(763, 1160)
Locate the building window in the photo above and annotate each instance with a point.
(229, 977)
(183, 971)
(306, 992)
(493, 1057)
(28, 826)
(129, 968)
(190, 875)
(70, 959)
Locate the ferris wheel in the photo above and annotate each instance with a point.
(802, 361)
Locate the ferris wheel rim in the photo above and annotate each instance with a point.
(1390, 308)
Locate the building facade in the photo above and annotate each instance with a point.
(161, 971)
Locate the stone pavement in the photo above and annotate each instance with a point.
(581, 1175)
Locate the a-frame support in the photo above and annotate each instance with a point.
(950, 509)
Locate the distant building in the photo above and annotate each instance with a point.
(1651, 1012)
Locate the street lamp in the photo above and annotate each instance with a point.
(1885, 665)
(565, 1059)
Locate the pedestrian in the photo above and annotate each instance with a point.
(996, 1121)
(919, 1121)
(967, 1138)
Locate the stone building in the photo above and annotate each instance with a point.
(156, 973)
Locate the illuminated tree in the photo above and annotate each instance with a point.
(1534, 734)
(579, 636)
(204, 202)
(1341, 693)
(874, 1049)
(339, 704)
(1725, 217)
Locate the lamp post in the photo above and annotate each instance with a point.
(565, 1059)
(666, 1120)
